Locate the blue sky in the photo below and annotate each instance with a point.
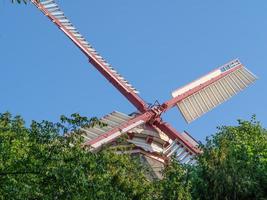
(157, 45)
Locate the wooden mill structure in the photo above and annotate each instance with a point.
(153, 139)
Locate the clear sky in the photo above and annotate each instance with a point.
(157, 45)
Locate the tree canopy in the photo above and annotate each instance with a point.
(41, 162)
(233, 164)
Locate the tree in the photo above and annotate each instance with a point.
(40, 163)
(233, 164)
(175, 184)
(44, 162)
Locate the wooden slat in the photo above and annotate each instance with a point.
(218, 92)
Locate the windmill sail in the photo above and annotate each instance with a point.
(213, 89)
(52, 10)
(56, 15)
(140, 133)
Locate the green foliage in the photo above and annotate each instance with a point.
(40, 163)
(233, 164)
(45, 161)
(175, 185)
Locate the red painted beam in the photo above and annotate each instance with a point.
(173, 134)
(119, 130)
(172, 102)
(130, 95)
(137, 101)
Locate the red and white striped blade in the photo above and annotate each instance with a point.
(181, 152)
(52, 10)
(117, 125)
(213, 89)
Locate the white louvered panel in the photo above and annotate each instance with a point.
(153, 133)
(201, 102)
(197, 105)
(141, 142)
(192, 162)
(223, 90)
(156, 147)
(182, 155)
(206, 99)
(90, 134)
(142, 145)
(239, 82)
(187, 159)
(184, 112)
(47, 2)
(109, 122)
(248, 75)
(112, 120)
(86, 137)
(115, 119)
(58, 13)
(234, 85)
(52, 7)
(121, 115)
(213, 98)
(173, 150)
(243, 77)
(218, 92)
(96, 131)
(100, 130)
(190, 108)
(104, 128)
(227, 88)
(168, 148)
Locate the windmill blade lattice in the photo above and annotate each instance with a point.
(52, 10)
(220, 85)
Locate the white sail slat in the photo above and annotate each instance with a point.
(50, 7)
(230, 80)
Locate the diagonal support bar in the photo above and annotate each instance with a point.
(175, 135)
(172, 102)
(206, 93)
(119, 130)
(56, 15)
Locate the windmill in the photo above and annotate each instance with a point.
(155, 139)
